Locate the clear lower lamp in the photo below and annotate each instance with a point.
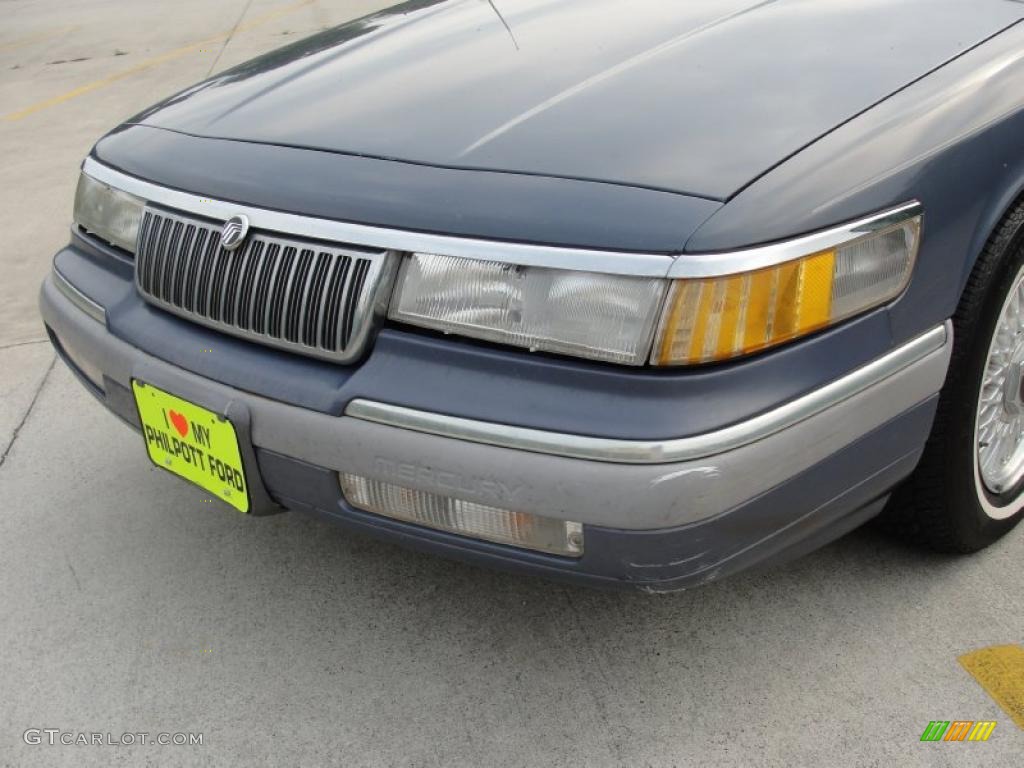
(479, 521)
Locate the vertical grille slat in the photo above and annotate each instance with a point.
(194, 265)
(279, 294)
(335, 291)
(298, 294)
(159, 245)
(181, 270)
(150, 222)
(232, 280)
(337, 331)
(243, 300)
(215, 294)
(312, 303)
(354, 294)
(167, 268)
(307, 296)
(202, 294)
(262, 304)
(148, 217)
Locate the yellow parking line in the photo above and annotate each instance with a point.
(36, 38)
(101, 83)
(150, 63)
(1000, 671)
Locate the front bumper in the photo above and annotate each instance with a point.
(659, 516)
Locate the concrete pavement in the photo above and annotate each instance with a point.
(129, 604)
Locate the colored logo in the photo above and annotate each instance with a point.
(179, 421)
(958, 730)
(234, 232)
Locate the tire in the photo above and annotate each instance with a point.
(950, 504)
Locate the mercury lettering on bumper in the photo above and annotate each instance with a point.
(447, 480)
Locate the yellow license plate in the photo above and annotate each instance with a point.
(193, 443)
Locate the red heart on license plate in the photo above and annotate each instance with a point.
(180, 422)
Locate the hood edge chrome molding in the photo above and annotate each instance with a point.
(628, 263)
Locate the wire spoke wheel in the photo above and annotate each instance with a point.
(999, 422)
(968, 489)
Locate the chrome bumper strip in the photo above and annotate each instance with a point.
(659, 451)
(79, 299)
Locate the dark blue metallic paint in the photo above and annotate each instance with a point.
(693, 97)
(953, 141)
(501, 206)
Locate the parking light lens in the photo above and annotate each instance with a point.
(585, 314)
(713, 319)
(479, 521)
(108, 213)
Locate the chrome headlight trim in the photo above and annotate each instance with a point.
(672, 266)
(705, 265)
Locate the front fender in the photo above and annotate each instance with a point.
(952, 140)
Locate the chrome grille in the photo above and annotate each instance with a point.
(311, 297)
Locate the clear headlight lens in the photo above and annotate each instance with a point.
(108, 213)
(725, 317)
(585, 314)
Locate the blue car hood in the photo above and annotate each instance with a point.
(698, 98)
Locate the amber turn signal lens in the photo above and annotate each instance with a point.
(707, 320)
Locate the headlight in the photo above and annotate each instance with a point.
(602, 317)
(724, 317)
(108, 213)
(847, 271)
